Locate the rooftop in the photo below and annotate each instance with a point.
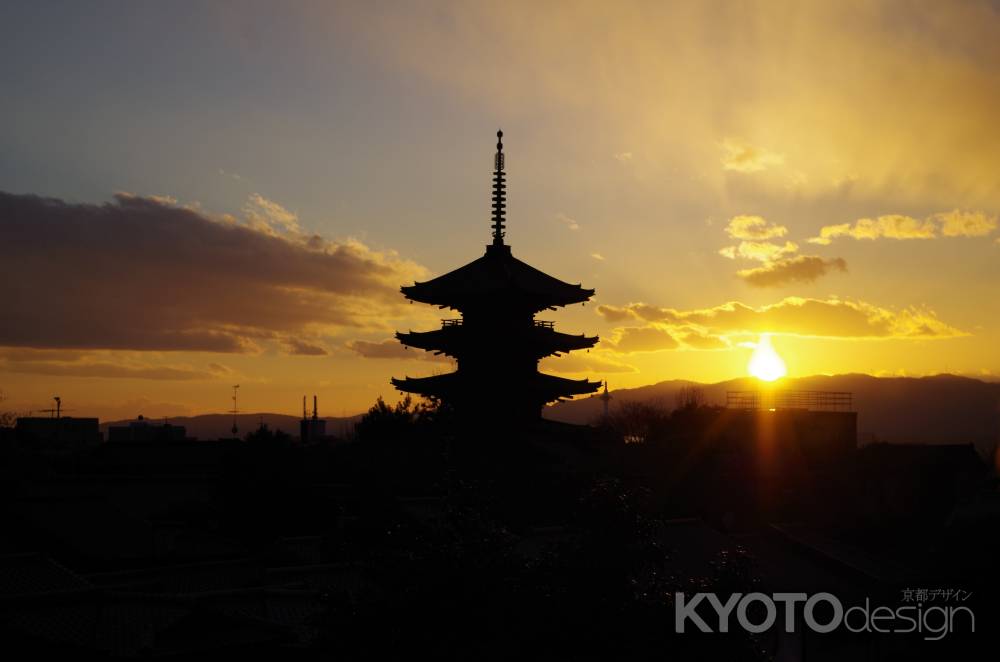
(497, 274)
(781, 399)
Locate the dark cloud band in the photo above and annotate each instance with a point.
(145, 274)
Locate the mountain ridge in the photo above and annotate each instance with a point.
(942, 408)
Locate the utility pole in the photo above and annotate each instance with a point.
(235, 409)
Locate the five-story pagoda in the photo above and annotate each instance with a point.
(497, 342)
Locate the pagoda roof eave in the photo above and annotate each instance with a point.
(542, 337)
(496, 273)
(545, 387)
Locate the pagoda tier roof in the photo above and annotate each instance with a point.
(542, 387)
(539, 340)
(496, 275)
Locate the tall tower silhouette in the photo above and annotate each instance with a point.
(606, 400)
(497, 342)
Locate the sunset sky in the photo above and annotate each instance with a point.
(195, 195)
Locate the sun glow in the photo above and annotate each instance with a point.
(765, 364)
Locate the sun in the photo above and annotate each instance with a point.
(765, 364)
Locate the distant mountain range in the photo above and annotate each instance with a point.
(939, 409)
(217, 426)
(942, 409)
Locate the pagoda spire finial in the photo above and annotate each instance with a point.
(499, 194)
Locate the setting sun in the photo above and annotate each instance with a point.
(765, 364)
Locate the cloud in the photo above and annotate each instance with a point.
(614, 313)
(62, 364)
(893, 226)
(110, 370)
(954, 223)
(957, 223)
(754, 227)
(299, 347)
(696, 339)
(623, 157)
(742, 157)
(761, 251)
(390, 348)
(141, 273)
(567, 221)
(581, 362)
(267, 216)
(832, 86)
(829, 318)
(780, 264)
(627, 340)
(657, 337)
(598, 257)
(130, 409)
(798, 269)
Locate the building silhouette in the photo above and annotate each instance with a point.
(143, 430)
(497, 342)
(58, 433)
(817, 427)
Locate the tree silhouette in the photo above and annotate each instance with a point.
(265, 435)
(690, 397)
(637, 422)
(384, 422)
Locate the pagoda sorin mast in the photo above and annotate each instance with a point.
(497, 342)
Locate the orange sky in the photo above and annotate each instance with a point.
(823, 172)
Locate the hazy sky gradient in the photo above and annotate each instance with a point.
(679, 159)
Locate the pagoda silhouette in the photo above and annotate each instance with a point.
(497, 342)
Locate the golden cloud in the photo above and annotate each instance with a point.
(798, 269)
(299, 347)
(570, 223)
(762, 251)
(390, 348)
(821, 318)
(754, 228)
(955, 223)
(614, 313)
(779, 266)
(63, 363)
(698, 339)
(657, 337)
(831, 86)
(581, 362)
(743, 157)
(268, 216)
(627, 340)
